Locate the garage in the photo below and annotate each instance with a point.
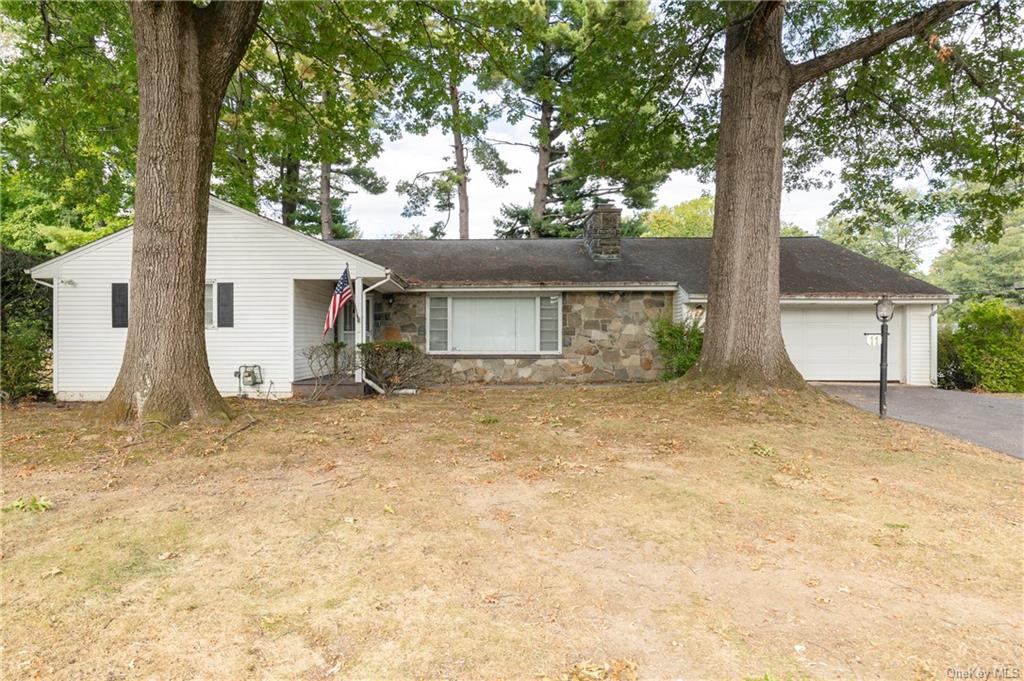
(828, 342)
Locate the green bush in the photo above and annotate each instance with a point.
(397, 365)
(24, 328)
(678, 344)
(986, 350)
(24, 355)
(951, 374)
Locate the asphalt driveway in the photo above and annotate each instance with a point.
(993, 421)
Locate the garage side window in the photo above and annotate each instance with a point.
(119, 306)
(219, 304)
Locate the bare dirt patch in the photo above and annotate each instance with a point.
(642, 531)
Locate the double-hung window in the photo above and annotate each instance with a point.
(219, 304)
(498, 325)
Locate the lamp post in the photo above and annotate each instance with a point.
(883, 312)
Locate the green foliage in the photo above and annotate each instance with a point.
(397, 365)
(69, 107)
(32, 504)
(695, 217)
(950, 371)
(979, 268)
(679, 343)
(569, 68)
(893, 233)
(24, 354)
(23, 299)
(987, 348)
(25, 329)
(307, 219)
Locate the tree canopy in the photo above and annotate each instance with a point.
(891, 234)
(979, 269)
(631, 92)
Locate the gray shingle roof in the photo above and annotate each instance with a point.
(808, 265)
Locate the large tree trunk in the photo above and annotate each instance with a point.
(290, 172)
(743, 332)
(743, 344)
(186, 56)
(542, 183)
(326, 218)
(460, 164)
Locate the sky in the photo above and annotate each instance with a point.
(380, 216)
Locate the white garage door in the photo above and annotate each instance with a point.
(828, 343)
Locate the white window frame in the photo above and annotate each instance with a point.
(213, 323)
(498, 353)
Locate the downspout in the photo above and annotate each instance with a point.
(933, 340)
(386, 279)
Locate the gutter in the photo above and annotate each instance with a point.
(655, 286)
(38, 281)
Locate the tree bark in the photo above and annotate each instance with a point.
(326, 218)
(743, 344)
(542, 184)
(743, 331)
(290, 170)
(186, 56)
(460, 164)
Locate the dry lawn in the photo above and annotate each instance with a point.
(566, 532)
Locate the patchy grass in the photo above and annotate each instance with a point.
(567, 533)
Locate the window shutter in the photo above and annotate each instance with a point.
(119, 306)
(225, 304)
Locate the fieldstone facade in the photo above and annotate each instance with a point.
(606, 336)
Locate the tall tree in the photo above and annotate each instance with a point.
(186, 55)
(575, 63)
(67, 123)
(885, 104)
(449, 58)
(980, 268)
(891, 234)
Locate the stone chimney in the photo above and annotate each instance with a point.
(601, 233)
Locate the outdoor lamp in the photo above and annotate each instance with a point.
(883, 312)
(884, 309)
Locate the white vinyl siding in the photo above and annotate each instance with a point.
(919, 344)
(494, 325)
(310, 306)
(679, 307)
(262, 259)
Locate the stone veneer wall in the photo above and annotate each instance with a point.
(605, 337)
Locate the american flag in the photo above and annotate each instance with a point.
(342, 294)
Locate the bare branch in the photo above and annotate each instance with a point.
(811, 69)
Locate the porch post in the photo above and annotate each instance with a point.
(360, 329)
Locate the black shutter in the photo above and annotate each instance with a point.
(119, 306)
(225, 304)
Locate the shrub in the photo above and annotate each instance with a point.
(24, 328)
(951, 374)
(329, 364)
(397, 365)
(678, 344)
(24, 355)
(987, 349)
